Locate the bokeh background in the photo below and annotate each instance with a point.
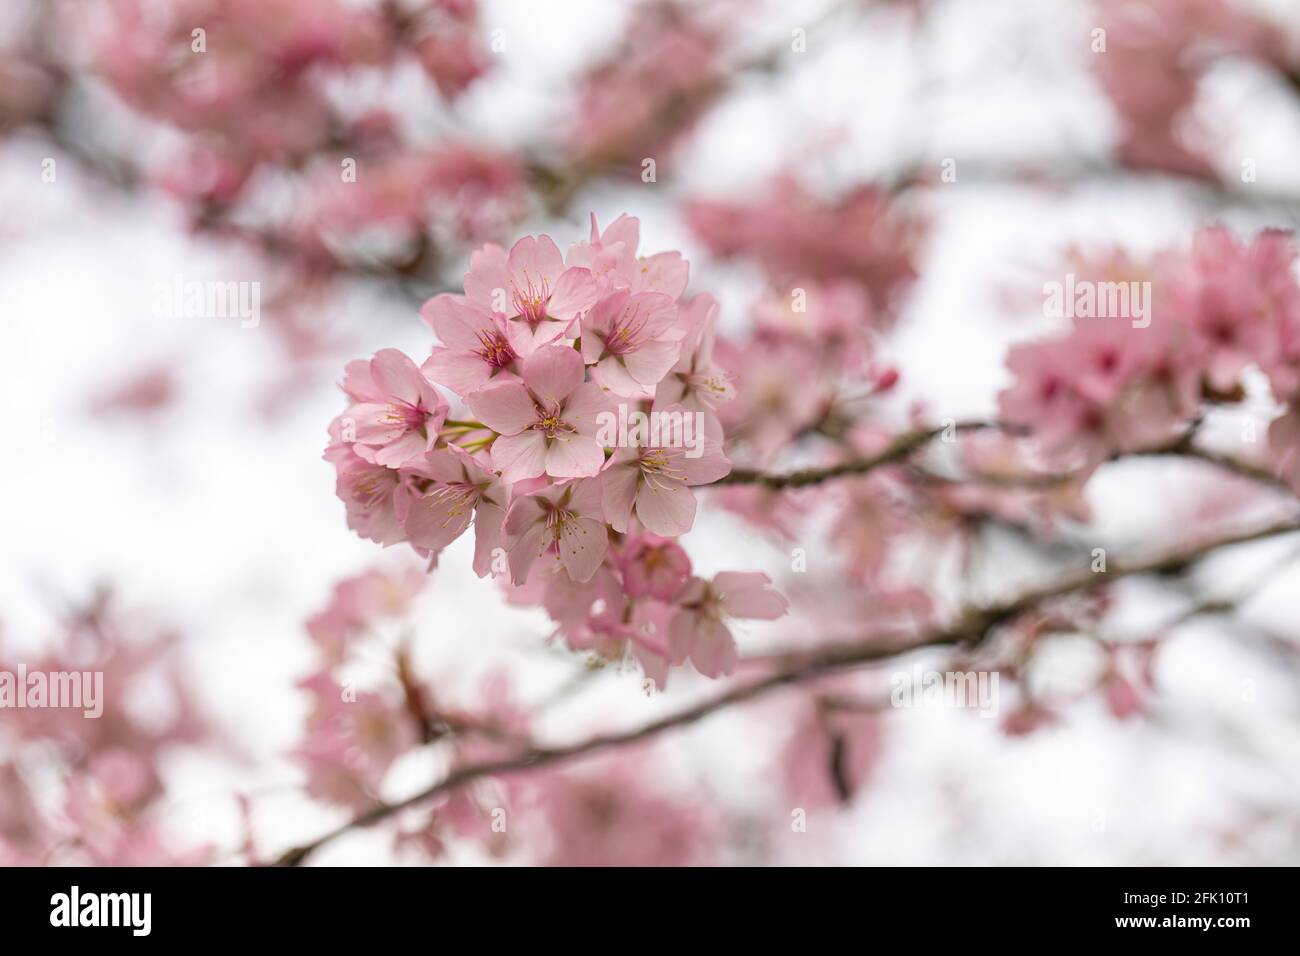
(172, 466)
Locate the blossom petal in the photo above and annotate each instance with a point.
(488, 521)
(395, 374)
(714, 650)
(652, 361)
(574, 456)
(666, 507)
(574, 293)
(506, 409)
(520, 456)
(584, 407)
(749, 594)
(462, 372)
(487, 284)
(583, 544)
(436, 520)
(618, 495)
(552, 373)
(456, 321)
(536, 259)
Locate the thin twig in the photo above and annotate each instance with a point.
(897, 450)
(904, 445)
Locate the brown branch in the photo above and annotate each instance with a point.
(898, 450)
(904, 445)
(1072, 173)
(970, 629)
(1228, 463)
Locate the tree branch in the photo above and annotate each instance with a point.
(897, 450)
(971, 628)
(905, 444)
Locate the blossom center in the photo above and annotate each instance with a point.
(531, 301)
(659, 466)
(406, 415)
(494, 349)
(376, 486)
(550, 423)
(627, 333)
(459, 497)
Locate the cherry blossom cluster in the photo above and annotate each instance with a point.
(609, 811)
(639, 100)
(1155, 54)
(794, 235)
(249, 80)
(79, 791)
(586, 396)
(1115, 384)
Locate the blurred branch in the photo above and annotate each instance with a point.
(897, 450)
(904, 445)
(1228, 463)
(1064, 174)
(971, 628)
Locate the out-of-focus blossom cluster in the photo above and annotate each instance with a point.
(586, 397)
(358, 727)
(87, 790)
(255, 88)
(837, 271)
(407, 204)
(606, 812)
(864, 236)
(636, 102)
(1129, 382)
(1156, 52)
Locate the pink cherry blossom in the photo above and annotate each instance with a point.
(631, 340)
(537, 469)
(655, 481)
(374, 495)
(830, 755)
(352, 740)
(611, 814)
(547, 422)
(612, 258)
(453, 489)
(836, 316)
(653, 567)
(448, 46)
(697, 631)
(862, 236)
(782, 390)
(474, 353)
(641, 98)
(696, 381)
(564, 521)
(359, 601)
(1112, 384)
(1157, 51)
(396, 411)
(538, 297)
(1237, 297)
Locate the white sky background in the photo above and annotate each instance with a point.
(225, 522)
